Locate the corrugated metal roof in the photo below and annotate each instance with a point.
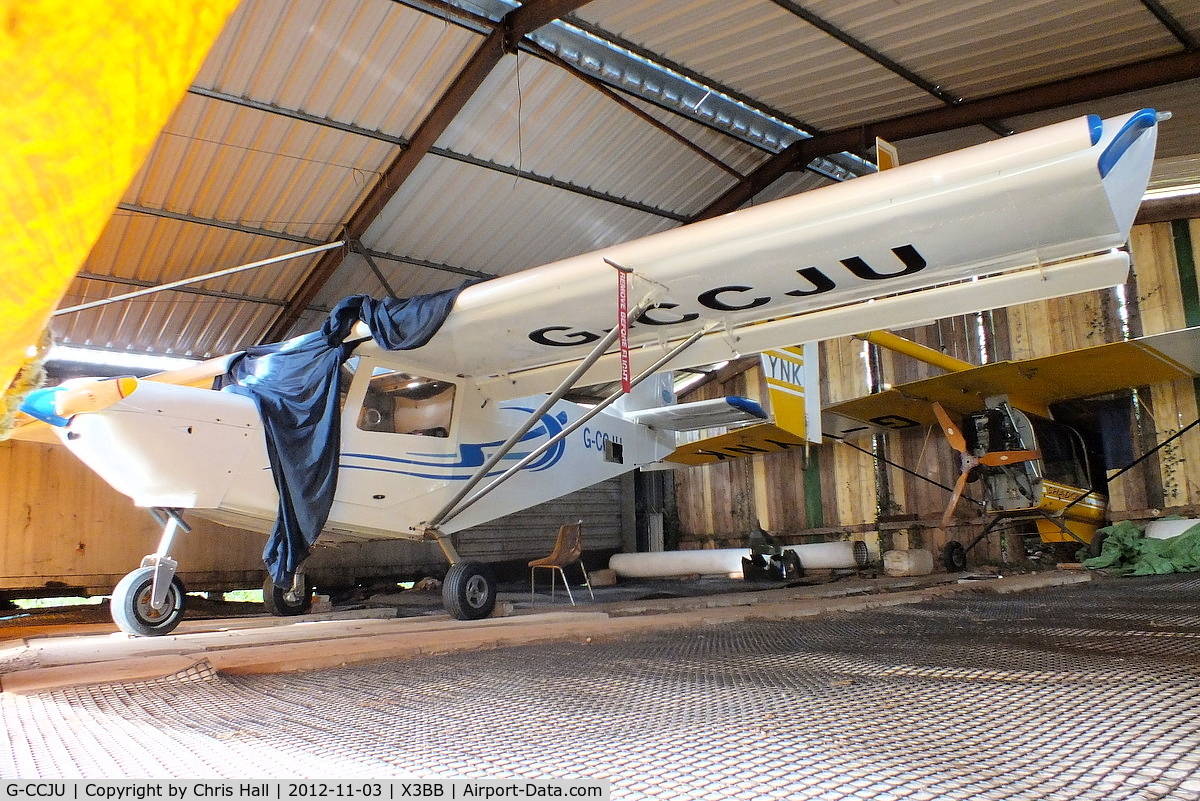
(221, 162)
(454, 213)
(378, 65)
(761, 49)
(541, 119)
(982, 48)
(302, 106)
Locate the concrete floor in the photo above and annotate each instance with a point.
(1012, 689)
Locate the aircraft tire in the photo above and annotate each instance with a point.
(469, 591)
(954, 557)
(1096, 546)
(131, 610)
(276, 601)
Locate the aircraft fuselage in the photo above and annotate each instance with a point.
(204, 450)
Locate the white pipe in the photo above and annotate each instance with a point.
(1166, 529)
(728, 561)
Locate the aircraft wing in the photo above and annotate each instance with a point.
(1030, 383)
(1030, 216)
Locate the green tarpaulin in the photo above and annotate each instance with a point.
(1126, 551)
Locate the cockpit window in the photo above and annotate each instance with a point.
(401, 403)
(1063, 456)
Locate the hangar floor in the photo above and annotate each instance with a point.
(1088, 691)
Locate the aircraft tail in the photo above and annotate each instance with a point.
(792, 413)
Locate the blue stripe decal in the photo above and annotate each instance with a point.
(462, 463)
(1095, 127)
(1134, 127)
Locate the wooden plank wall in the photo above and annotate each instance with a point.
(1165, 257)
(62, 525)
(716, 503)
(711, 500)
(786, 494)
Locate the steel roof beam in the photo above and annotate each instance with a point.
(167, 214)
(187, 290)
(1081, 89)
(1167, 209)
(1168, 21)
(548, 44)
(515, 25)
(879, 58)
(830, 29)
(673, 87)
(631, 107)
(304, 240)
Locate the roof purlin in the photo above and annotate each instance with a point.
(401, 142)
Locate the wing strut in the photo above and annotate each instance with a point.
(554, 397)
(459, 508)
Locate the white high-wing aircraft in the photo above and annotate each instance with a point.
(1032, 216)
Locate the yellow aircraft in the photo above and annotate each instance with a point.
(1031, 466)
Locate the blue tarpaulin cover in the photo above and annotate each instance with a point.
(295, 385)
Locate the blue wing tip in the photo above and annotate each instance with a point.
(39, 405)
(748, 406)
(1137, 124)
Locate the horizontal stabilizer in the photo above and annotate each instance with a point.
(701, 414)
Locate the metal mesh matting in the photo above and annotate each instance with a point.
(1083, 692)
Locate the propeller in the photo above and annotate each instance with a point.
(953, 435)
(56, 405)
(969, 461)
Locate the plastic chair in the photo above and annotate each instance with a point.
(567, 551)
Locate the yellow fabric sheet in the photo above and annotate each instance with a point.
(85, 88)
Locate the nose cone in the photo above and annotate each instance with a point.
(40, 404)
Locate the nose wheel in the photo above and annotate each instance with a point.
(149, 601)
(132, 606)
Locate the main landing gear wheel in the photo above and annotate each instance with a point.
(954, 557)
(284, 603)
(469, 591)
(131, 605)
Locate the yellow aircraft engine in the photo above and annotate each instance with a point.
(1030, 467)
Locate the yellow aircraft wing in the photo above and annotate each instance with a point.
(1031, 384)
(753, 440)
